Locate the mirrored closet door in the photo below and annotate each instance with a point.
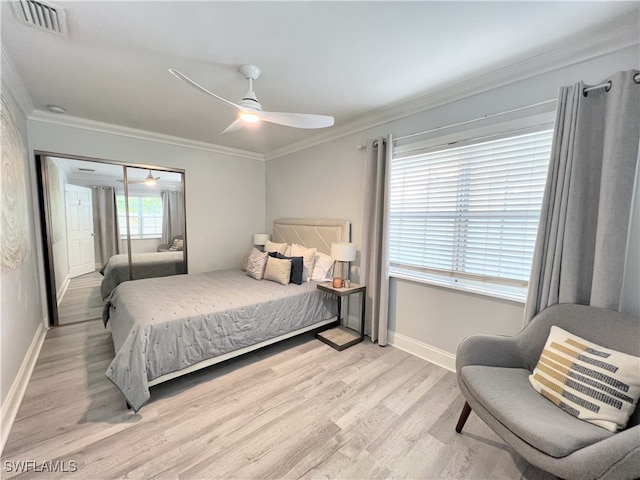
(156, 222)
(105, 223)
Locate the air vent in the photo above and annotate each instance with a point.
(86, 169)
(41, 15)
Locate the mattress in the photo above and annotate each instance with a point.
(144, 265)
(162, 325)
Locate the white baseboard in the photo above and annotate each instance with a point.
(422, 350)
(63, 289)
(10, 406)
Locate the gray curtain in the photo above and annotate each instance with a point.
(374, 263)
(105, 222)
(579, 255)
(172, 215)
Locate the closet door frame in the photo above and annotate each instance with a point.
(44, 209)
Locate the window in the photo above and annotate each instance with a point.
(466, 214)
(145, 216)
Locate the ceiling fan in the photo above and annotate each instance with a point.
(149, 180)
(250, 110)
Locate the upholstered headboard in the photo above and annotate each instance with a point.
(310, 233)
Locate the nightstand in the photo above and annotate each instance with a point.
(342, 337)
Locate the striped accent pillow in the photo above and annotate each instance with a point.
(257, 263)
(592, 383)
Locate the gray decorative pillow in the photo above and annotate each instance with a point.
(257, 263)
(278, 270)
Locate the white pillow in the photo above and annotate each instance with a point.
(594, 383)
(278, 270)
(275, 247)
(257, 263)
(323, 267)
(308, 259)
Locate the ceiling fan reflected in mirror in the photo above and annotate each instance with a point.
(149, 180)
(250, 111)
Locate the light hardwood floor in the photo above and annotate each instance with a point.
(82, 300)
(298, 409)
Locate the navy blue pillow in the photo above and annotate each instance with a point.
(296, 267)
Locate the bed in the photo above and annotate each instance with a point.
(144, 265)
(163, 328)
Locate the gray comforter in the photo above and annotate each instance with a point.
(144, 265)
(162, 325)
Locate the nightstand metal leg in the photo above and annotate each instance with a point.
(364, 302)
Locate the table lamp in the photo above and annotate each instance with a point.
(260, 240)
(344, 253)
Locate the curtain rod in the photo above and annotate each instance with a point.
(362, 147)
(636, 79)
(476, 119)
(607, 85)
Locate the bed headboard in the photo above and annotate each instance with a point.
(310, 232)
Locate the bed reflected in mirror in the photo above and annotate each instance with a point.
(108, 223)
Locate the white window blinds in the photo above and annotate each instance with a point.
(469, 211)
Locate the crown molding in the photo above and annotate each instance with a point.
(565, 56)
(103, 127)
(12, 81)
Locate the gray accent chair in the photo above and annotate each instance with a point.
(493, 377)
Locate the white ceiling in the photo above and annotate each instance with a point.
(346, 59)
(88, 174)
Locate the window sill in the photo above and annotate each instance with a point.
(144, 238)
(452, 284)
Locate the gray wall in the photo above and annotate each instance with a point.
(21, 301)
(327, 181)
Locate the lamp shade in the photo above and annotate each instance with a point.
(343, 252)
(260, 238)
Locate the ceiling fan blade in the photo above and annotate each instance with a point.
(188, 81)
(297, 120)
(236, 125)
(130, 181)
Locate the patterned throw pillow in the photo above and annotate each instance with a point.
(178, 244)
(322, 268)
(244, 262)
(257, 263)
(592, 383)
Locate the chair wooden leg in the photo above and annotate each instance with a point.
(466, 410)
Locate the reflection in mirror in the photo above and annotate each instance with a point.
(156, 223)
(81, 202)
(90, 233)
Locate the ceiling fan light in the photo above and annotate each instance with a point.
(149, 180)
(249, 117)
